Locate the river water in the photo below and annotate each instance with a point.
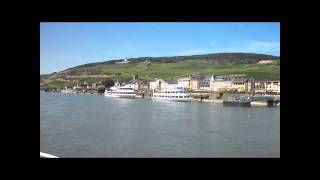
(82, 125)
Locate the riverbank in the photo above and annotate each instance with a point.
(208, 100)
(219, 101)
(204, 100)
(259, 103)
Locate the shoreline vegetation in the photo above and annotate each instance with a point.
(94, 78)
(209, 100)
(258, 66)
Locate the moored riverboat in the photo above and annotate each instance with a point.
(178, 94)
(68, 91)
(120, 92)
(242, 101)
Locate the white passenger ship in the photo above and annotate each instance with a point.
(176, 94)
(120, 92)
(69, 91)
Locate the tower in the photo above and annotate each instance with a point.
(211, 84)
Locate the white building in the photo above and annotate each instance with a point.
(172, 85)
(158, 84)
(124, 62)
(265, 62)
(205, 83)
(267, 86)
(220, 83)
(134, 84)
(184, 82)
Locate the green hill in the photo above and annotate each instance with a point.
(170, 68)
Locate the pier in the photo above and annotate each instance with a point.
(265, 100)
(256, 101)
(201, 95)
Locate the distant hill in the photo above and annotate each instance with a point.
(218, 58)
(170, 68)
(44, 76)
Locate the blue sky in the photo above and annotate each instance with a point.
(64, 45)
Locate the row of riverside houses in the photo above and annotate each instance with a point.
(240, 83)
(232, 83)
(84, 86)
(136, 84)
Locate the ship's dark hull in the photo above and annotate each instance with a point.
(237, 103)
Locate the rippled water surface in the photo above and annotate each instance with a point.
(80, 125)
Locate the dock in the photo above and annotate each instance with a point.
(265, 101)
(208, 100)
(256, 101)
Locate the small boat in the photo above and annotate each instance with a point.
(242, 101)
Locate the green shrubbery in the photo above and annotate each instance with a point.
(172, 68)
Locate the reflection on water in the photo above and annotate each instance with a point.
(74, 125)
(120, 101)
